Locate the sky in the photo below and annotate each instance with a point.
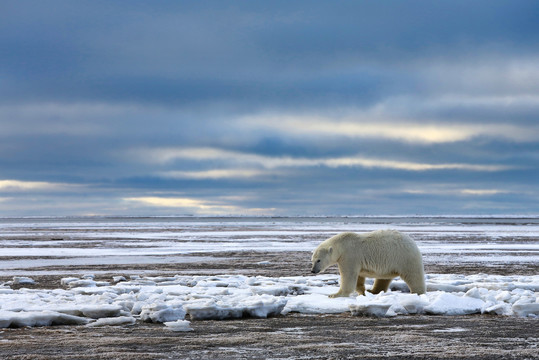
(275, 108)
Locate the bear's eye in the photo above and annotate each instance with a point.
(318, 260)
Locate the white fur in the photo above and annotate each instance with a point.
(383, 255)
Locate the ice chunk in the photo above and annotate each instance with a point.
(117, 279)
(449, 304)
(81, 283)
(474, 293)
(66, 281)
(445, 287)
(101, 311)
(318, 304)
(160, 313)
(526, 309)
(38, 318)
(252, 306)
(399, 286)
(23, 280)
(115, 321)
(213, 310)
(275, 290)
(499, 309)
(263, 306)
(179, 325)
(503, 296)
(413, 303)
(373, 309)
(212, 283)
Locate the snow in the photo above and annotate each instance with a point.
(171, 299)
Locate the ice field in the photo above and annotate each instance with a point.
(41, 246)
(30, 243)
(169, 299)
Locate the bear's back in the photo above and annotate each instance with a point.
(377, 245)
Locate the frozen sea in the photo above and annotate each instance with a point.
(79, 250)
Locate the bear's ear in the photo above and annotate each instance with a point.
(331, 250)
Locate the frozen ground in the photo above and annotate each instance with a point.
(172, 278)
(52, 245)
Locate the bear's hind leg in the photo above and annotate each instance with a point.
(380, 285)
(416, 285)
(360, 286)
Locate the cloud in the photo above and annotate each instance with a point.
(514, 76)
(305, 106)
(372, 124)
(451, 191)
(24, 186)
(168, 155)
(84, 118)
(285, 52)
(215, 174)
(408, 166)
(483, 192)
(200, 207)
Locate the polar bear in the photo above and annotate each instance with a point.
(383, 255)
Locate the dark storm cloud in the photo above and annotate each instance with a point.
(305, 107)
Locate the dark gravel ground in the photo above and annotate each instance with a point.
(291, 337)
(285, 337)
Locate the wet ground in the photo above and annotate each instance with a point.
(285, 337)
(290, 337)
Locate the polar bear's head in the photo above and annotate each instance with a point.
(323, 257)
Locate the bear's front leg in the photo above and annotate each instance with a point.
(337, 294)
(348, 284)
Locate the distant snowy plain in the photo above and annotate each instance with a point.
(28, 244)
